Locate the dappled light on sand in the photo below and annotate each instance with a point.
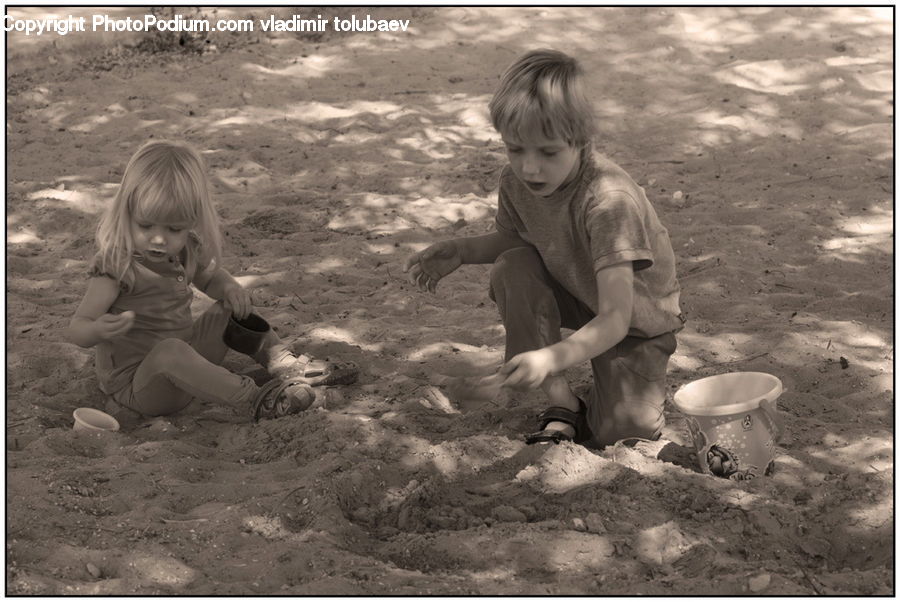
(307, 67)
(22, 236)
(763, 137)
(775, 76)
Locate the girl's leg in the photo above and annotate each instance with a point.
(207, 340)
(533, 307)
(174, 372)
(275, 356)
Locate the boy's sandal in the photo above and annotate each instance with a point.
(319, 373)
(577, 420)
(279, 398)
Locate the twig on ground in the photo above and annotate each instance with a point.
(156, 483)
(391, 276)
(710, 263)
(186, 520)
(294, 307)
(20, 422)
(417, 387)
(809, 179)
(93, 528)
(810, 580)
(743, 359)
(286, 496)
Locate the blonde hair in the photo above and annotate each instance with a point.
(544, 91)
(164, 182)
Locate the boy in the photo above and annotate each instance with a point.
(577, 245)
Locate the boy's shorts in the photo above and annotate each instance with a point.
(629, 390)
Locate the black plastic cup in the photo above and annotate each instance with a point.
(246, 336)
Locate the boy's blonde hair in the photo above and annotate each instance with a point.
(543, 89)
(164, 182)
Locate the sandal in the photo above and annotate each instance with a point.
(577, 420)
(279, 398)
(318, 373)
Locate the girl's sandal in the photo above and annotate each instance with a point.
(279, 398)
(319, 373)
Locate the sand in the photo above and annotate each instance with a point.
(763, 138)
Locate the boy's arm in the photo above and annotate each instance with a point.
(91, 322)
(615, 295)
(487, 247)
(427, 267)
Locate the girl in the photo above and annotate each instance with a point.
(160, 235)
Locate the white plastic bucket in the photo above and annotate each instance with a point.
(89, 419)
(733, 421)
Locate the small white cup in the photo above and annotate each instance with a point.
(89, 419)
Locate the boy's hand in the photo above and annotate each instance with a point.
(238, 300)
(427, 267)
(110, 326)
(528, 370)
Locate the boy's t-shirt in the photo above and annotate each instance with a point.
(599, 219)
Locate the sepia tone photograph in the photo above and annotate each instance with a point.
(449, 301)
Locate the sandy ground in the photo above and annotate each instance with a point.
(333, 157)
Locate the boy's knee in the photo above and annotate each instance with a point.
(514, 264)
(635, 419)
(640, 419)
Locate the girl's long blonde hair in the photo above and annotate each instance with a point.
(164, 182)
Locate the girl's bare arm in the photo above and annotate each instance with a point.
(216, 282)
(92, 323)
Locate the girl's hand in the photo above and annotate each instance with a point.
(238, 300)
(427, 267)
(528, 370)
(110, 326)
